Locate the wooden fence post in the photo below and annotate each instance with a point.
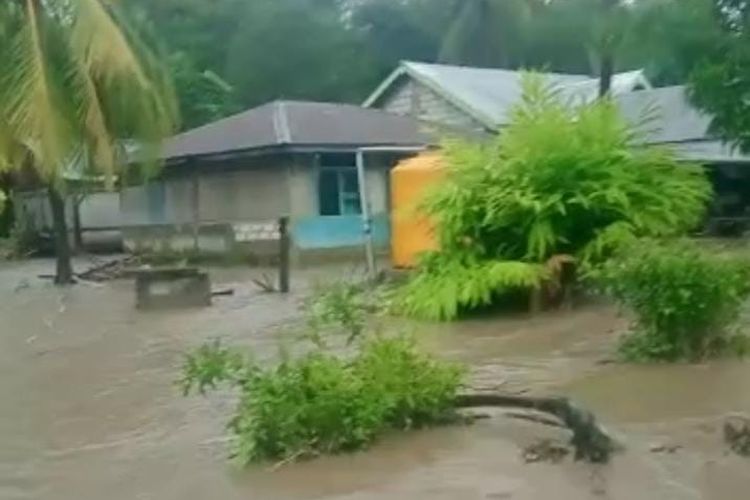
(284, 244)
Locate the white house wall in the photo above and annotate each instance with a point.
(97, 211)
(259, 193)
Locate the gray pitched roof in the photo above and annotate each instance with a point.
(297, 123)
(489, 94)
(666, 117)
(669, 115)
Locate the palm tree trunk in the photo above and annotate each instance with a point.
(64, 269)
(77, 229)
(607, 62)
(605, 72)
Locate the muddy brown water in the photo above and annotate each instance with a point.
(89, 409)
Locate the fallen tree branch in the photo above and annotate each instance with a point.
(537, 419)
(108, 270)
(590, 441)
(264, 283)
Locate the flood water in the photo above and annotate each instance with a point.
(89, 409)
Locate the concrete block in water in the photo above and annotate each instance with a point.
(167, 288)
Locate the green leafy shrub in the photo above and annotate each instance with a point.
(341, 305)
(322, 403)
(414, 389)
(560, 179)
(685, 300)
(303, 407)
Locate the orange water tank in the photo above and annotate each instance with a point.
(411, 233)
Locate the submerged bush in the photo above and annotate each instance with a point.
(322, 403)
(560, 179)
(685, 300)
(444, 287)
(343, 305)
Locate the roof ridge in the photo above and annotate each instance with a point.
(490, 69)
(281, 123)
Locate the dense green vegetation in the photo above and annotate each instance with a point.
(326, 400)
(232, 54)
(686, 300)
(227, 55)
(720, 83)
(561, 183)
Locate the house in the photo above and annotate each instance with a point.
(288, 158)
(479, 100)
(476, 99)
(223, 181)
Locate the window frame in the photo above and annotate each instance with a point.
(344, 196)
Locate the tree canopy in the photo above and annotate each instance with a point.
(77, 86)
(720, 83)
(227, 55)
(562, 183)
(76, 82)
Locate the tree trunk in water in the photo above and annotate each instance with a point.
(64, 271)
(590, 440)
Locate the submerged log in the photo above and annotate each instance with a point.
(590, 441)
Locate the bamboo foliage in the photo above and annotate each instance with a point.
(563, 178)
(76, 81)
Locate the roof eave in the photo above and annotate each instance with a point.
(384, 86)
(287, 148)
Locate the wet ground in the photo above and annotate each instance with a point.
(89, 409)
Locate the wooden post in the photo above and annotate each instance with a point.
(284, 244)
(195, 202)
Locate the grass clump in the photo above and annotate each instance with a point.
(686, 300)
(563, 179)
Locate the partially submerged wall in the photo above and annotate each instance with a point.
(162, 217)
(204, 211)
(210, 239)
(99, 212)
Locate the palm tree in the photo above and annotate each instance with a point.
(609, 38)
(487, 33)
(75, 83)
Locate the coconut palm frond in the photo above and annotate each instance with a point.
(122, 82)
(6, 146)
(100, 44)
(123, 91)
(31, 92)
(99, 138)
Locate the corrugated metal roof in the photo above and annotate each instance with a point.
(297, 123)
(670, 116)
(489, 94)
(708, 152)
